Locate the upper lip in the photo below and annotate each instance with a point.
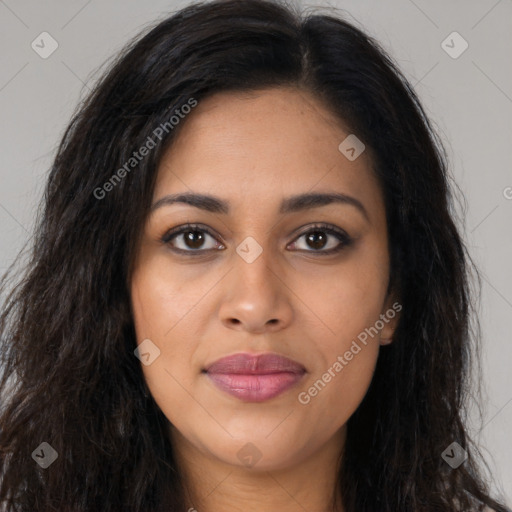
(250, 364)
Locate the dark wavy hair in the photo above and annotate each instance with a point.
(69, 374)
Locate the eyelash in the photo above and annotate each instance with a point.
(330, 229)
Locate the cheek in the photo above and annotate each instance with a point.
(164, 295)
(334, 392)
(346, 299)
(353, 374)
(348, 308)
(158, 316)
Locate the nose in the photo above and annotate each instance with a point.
(255, 296)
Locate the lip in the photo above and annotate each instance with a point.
(255, 378)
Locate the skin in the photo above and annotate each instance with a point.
(253, 150)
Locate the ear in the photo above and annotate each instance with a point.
(390, 317)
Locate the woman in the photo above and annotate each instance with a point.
(247, 290)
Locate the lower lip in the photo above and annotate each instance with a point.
(255, 388)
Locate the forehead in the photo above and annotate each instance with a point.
(260, 146)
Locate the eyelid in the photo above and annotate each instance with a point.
(178, 230)
(344, 239)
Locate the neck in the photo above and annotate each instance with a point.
(212, 485)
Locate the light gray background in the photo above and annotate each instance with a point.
(468, 98)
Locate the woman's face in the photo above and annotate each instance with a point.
(256, 277)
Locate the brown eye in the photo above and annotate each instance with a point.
(190, 239)
(316, 239)
(193, 239)
(322, 239)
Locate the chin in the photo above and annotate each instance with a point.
(259, 453)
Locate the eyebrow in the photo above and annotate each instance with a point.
(289, 205)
